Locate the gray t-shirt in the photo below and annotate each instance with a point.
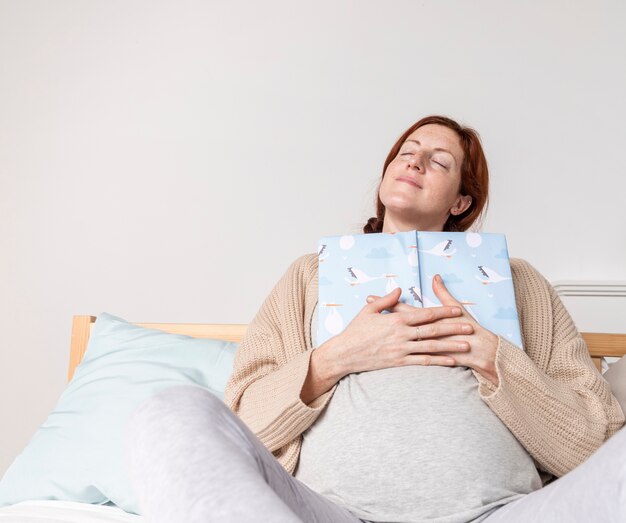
(411, 444)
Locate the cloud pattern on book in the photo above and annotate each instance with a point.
(474, 266)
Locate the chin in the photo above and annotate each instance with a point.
(400, 204)
(400, 197)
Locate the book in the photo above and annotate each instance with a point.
(475, 269)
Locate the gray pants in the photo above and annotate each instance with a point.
(192, 460)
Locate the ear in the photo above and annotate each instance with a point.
(461, 205)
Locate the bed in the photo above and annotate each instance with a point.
(112, 337)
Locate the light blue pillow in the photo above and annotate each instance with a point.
(78, 453)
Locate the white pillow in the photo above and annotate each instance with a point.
(78, 453)
(616, 376)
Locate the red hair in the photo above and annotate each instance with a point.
(474, 176)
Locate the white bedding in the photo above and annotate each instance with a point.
(64, 512)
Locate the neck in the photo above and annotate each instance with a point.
(395, 224)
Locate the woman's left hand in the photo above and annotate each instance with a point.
(483, 343)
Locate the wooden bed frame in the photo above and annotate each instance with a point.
(600, 344)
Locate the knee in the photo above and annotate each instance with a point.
(173, 417)
(176, 406)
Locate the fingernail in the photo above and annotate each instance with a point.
(369, 299)
(437, 278)
(456, 310)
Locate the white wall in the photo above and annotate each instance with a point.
(166, 161)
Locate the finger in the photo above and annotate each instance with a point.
(419, 316)
(436, 346)
(398, 307)
(389, 300)
(373, 297)
(429, 359)
(462, 359)
(403, 307)
(439, 288)
(438, 330)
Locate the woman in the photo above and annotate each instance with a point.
(415, 415)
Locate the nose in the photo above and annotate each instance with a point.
(416, 162)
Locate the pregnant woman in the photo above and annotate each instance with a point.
(416, 415)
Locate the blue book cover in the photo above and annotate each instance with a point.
(474, 267)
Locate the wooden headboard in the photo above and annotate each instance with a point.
(600, 344)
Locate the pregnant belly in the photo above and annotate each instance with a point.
(413, 438)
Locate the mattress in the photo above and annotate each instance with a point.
(51, 511)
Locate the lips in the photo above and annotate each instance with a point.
(409, 181)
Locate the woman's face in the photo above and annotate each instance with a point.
(420, 187)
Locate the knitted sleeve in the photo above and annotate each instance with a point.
(550, 395)
(271, 365)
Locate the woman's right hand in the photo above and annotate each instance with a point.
(373, 340)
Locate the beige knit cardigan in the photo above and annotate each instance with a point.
(550, 396)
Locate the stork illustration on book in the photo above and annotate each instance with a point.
(443, 249)
(357, 276)
(323, 253)
(490, 275)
